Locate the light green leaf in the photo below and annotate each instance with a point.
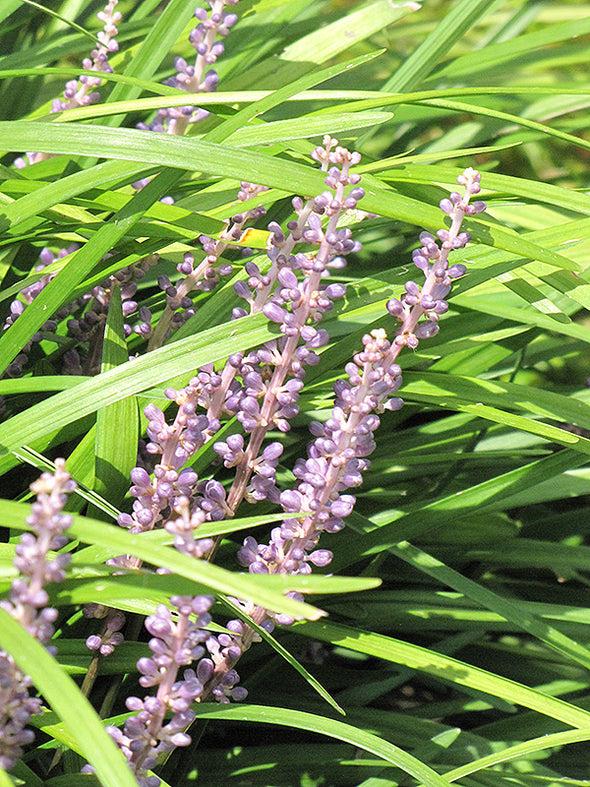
(222, 160)
(300, 128)
(448, 31)
(332, 39)
(218, 580)
(519, 751)
(117, 426)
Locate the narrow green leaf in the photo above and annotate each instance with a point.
(168, 25)
(219, 580)
(339, 36)
(221, 160)
(521, 751)
(67, 187)
(356, 100)
(488, 495)
(308, 126)
(507, 184)
(5, 780)
(446, 669)
(7, 8)
(117, 426)
(433, 387)
(39, 384)
(68, 22)
(158, 88)
(206, 530)
(448, 31)
(532, 295)
(142, 593)
(494, 55)
(511, 611)
(277, 97)
(502, 305)
(530, 552)
(324, 726)
(541, 128)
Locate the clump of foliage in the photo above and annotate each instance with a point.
(233, 238)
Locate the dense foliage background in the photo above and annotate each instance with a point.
(457, 622)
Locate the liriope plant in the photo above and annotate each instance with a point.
(186, 295)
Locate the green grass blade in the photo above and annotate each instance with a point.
(286, 655)
(509, 610)
(520, 751)
(448, 31)
(335, 729)
(220, 160)
(117, 426)
(488, 495)
(506, 184)
(277, 97)
(63, 189)
(339, 36)
(495, 55)
(433, 387)
(517, 120)
(68, 22)
(5, 780)
(218, 580)
(302, 128)
(7, 7)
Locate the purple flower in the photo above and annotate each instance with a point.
(336, 457)
(197, 77)
(78, 92)
(176, 642)
(27, 604)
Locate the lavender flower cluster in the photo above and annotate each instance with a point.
(262, 387)
(79, 92)
(194, 78)
(337, 457)
(28, 602)
(175, 643)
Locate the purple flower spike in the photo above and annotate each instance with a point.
(175, 642)
(261, 388)
(27, 601)
(197, 77)
(79, 92)
(336, 458)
